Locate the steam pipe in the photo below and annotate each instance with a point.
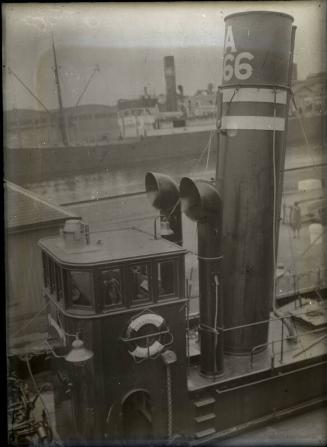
(202, 204)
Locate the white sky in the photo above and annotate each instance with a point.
(128, 42)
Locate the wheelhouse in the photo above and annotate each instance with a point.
(96, 278)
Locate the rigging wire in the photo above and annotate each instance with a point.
(174, 207)
(96, 69)
(15, 109)
(37, 389)
(307, 144)
(292, 264)
(288, 325)
(203, 152)
(11, 71)
(30, 321)
(62, 328)
(53, 352)
(209, 150)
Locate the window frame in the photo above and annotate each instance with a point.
(68, 290)
(100, 292)
(176, 275)
(59, 283)
(46, 270)
(52, 277)
(130, 302)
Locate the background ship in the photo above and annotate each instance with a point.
(149, 130)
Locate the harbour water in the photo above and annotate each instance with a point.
(106, 182)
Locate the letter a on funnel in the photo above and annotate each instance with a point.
(229, 41)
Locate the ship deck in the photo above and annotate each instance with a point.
(311, 343)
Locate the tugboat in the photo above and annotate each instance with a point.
(127, 364)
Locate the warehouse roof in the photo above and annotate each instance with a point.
(25, 210)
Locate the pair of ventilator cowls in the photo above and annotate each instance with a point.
(200, 202)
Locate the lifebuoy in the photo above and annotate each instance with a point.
(143, 352)
(133, 328)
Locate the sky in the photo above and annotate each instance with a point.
(128, 42)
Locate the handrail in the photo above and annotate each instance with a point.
(266, 379)
(257, 323)
(281, 340)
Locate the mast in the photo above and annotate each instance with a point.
(62, 123)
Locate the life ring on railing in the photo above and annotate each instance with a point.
(156, 323)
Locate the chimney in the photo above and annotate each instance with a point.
(249, 171)
(75, 234)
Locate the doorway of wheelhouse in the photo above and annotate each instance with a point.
(137, 415)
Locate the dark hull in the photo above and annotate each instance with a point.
(152, 153)
(259, 398)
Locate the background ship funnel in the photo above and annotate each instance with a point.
(170, 79)
(202, 204)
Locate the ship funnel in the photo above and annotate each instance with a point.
(163, 194)
(170, 78)
(255, 92)
(202, 204)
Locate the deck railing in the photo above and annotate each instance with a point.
(285, 347)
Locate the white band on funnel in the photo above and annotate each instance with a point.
(254, 95)
(252, 123)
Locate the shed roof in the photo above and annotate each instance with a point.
(26, 210)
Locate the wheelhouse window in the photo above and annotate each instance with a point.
(140, 282)
(52, 277)
(166, 276)
(46, 272)
(111, 287)
(60, 289)
(80, 287)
